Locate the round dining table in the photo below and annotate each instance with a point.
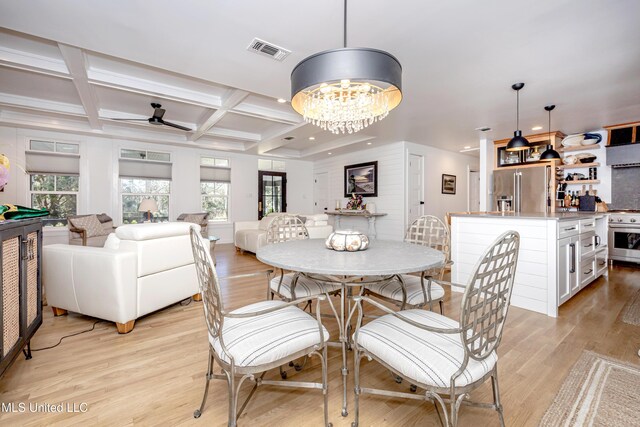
(383, 259)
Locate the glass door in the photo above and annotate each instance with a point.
(272, 192)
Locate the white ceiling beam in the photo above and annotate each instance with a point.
(75, 61)
(266, 113)
(41, 104)
(133, 84)
(234, 98)
(335, 144)
(32, 61)
(234, 134)
(275, 140)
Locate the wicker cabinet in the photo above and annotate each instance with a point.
(20, 285)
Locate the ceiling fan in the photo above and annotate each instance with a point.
(156, 119)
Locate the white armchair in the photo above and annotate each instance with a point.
(141, 269)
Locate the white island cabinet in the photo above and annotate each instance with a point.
(560, 253)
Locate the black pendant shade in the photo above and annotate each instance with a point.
(550, 154)
(518, 142)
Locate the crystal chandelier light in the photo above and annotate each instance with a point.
(345, 90)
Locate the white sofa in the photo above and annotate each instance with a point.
(251, 235)
(141, 269)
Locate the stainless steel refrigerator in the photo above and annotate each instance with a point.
(522, 190)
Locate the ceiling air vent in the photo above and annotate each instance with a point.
(269, 49)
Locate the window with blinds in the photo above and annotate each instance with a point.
(215, 184)
(144, 175)
(54, 178)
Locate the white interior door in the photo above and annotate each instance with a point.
(320, 192)
(474, 191)
(416, 188)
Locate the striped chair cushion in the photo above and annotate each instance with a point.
(269, 337)
(418, 355)
(305, 287)
(393, 290)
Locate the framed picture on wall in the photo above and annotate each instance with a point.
(448, 184)
(361, 179)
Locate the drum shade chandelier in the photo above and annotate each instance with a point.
(345, 90)
(550, 154)
(518, 142)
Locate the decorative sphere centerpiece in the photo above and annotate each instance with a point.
(347, 240)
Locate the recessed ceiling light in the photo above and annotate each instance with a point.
(466, 147)
(282, 100)
(536, 128)
(329, 153)
(312, 138)
(369, 143)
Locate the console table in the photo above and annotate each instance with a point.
(371, 217)
(20, 287)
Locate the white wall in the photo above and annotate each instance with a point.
(99, 186)
(438, 162)
(390, 200)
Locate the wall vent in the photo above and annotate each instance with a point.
(268, 49)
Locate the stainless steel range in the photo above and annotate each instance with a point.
(624, 235)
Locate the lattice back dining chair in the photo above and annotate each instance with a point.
(251, 340)
(290, 286)
(418, 291)
(441, 356)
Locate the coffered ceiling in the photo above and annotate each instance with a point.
(74, 66)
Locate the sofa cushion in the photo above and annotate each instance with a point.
(139, 232)
(112, 242)
(266, 221)
(89, 223)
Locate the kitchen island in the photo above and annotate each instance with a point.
(560, 253)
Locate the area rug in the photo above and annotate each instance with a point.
(631, 311)
(598, 391)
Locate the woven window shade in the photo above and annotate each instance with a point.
(215, 174)
(144, 169)
(50, 163)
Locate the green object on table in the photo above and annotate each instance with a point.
(20, 212)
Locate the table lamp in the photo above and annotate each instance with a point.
(148, 206)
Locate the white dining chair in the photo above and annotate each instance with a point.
(249, 341)
(410, 291)
(445, 358)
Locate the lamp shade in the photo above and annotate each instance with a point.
(148, 205)
(550, 154)
(518, 142)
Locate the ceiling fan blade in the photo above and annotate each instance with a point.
(159, 112)
(173, 125)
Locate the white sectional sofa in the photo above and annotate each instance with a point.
(251, 235)
(142, 268)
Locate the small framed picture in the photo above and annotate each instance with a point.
(448, 184)
(361, 179)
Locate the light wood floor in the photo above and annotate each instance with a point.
(155, 374)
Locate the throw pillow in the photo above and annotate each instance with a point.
(194, 218)
(89, 223)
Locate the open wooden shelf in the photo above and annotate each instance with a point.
(579, 165)
(581, 181)
(580, 148)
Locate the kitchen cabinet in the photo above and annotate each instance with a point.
(560, 253)
(529, 157)
(567, 268)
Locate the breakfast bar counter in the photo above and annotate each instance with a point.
(560, 253)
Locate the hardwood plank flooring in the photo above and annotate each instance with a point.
(155, 374)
